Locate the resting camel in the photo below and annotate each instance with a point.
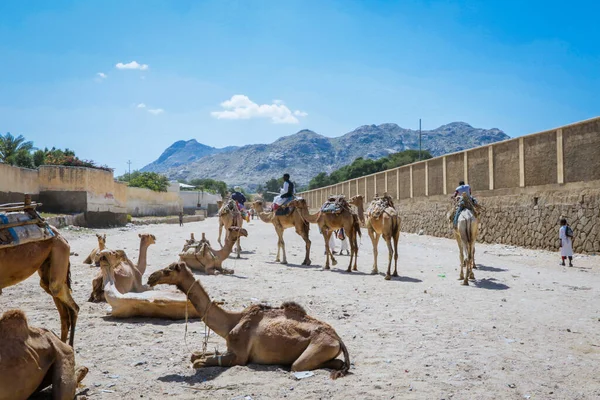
(466, 234)
(50, 258)
(149, 304)
(91, 259)
(230, 215)
(281, 223)
(128, 275)
(203, 258)
(260, 334)
(31, 359)
(328, 223)
(383, 220)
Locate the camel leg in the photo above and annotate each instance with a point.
(461, 255)
(316, 355)
(396, 238)
(471, 261)
(197, 355)
(375, 240)
(220, 232)
(328, 254)
(239, 248)
(304, 233)
(64, 379)
(281, 245)
(354, 242)
(222, 360)
(388, 242)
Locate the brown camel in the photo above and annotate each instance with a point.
(383, 220)
(230, 215)
(148, 304)
(328, 223)
(31, 359)
(204, 258)
(466, 235)
(260, 334)
(128, 275)
(281, 223)
(91, 259)
(50, 258)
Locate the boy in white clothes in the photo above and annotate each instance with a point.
(345, 245)
(565, 234)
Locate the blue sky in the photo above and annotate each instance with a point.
(329, 66)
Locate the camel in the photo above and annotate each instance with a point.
(128, 275)
(466, 234)
(204, 258)
(328, 223)
(383, 220)
(32, 359)
(281, 223)
(260, 334)
(148, 304)
(230, 215)
(91, 259)
(50, 258)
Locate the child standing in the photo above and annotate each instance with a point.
(565, 234)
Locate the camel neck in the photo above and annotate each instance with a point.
(361, 212)
(142, 260)
(311, 218)
(217, 319)
(265, 217)
(227, 248)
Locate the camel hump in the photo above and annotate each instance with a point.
(293, 306)
(13, 323)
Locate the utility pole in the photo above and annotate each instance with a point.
(129, 176)
(419, 139)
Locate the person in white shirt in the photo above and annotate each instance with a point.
(287, 192)
(565, 234)
(341, 234)
(462, 188)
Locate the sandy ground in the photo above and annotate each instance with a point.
(528, 328)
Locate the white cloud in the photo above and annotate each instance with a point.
(156, 111)
(241, 107)
(141, 105)
(101, 75)
(299, 113)
(132, 65)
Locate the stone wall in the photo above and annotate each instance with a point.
(526, 183)
(528, 219)
(15, 182)
(145, 202)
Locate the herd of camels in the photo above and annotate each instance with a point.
(32, 359)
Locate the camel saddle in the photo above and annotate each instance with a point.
(379, 205)
(229, 207)
(20, 224)
(335, 205)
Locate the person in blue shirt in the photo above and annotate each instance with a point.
(462, 188)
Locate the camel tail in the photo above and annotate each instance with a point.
(69, 281)
(346, 367)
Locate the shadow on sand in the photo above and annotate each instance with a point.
(490, 284)
(490, 269)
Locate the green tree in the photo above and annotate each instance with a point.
(13, 148)
(210, 185)
(272, 185)
(148, 180)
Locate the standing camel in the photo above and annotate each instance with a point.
(260, 334)
(50, 258)
(383, 220)
(328, 223)
(230, 215)
(466, 234)
(282, 222)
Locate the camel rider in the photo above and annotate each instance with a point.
(462, 188)
(239, 198)
(286, 192)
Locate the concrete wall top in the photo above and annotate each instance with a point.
(18, 180)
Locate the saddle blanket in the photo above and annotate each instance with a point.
(21, 234)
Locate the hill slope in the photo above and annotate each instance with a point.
(306, 153)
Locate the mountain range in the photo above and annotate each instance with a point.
(306, 153)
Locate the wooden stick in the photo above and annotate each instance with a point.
(23, 223)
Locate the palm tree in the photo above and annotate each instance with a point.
(10, 146)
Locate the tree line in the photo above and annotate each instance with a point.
(361, 167)
(17, 151)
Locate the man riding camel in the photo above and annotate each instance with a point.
(458, 193)
(286, 193)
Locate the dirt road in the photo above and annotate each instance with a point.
(528, 328)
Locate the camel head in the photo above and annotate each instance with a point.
(112, 257)
(171, 275)
(236, 232)
(356, 200)
(299, 203)
(147, 239)
(258, 204)
(101, 240)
